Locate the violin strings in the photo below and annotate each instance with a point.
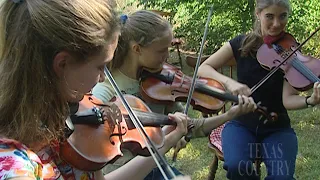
(141, 130)
(263, 80)
(150, 115)
(298, 65)
(255, 87)
(137, 124)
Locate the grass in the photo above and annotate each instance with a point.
(196, 158)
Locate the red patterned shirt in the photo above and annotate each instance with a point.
(17, 160)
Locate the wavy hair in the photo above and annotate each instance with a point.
(142, 27)
(254, 40)
(32, 32)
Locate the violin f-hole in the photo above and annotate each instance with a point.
(278, 61)
(119, 134)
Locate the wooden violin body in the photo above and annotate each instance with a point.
(172, 85)
(92, 145)
(209, 96)
(301, 71)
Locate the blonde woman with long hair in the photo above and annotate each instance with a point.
(276, 142)
(52, 53)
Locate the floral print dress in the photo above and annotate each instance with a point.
(16, 160)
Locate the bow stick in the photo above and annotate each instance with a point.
(263, 80)
(189, 134)
(151, 147)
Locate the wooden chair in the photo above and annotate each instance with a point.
(217, 154)
(176, 42)
(192, 60)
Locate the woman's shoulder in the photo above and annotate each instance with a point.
(237, 39)
(18, 161)
(235, 44)
(105, 92)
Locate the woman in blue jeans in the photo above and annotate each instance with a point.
(243, 136)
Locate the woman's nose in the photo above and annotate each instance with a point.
(276, 22)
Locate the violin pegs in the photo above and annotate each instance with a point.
(261, 117)
(265, 121)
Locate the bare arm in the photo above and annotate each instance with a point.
(211, 123)
(292, 100)
(21, 178)
(139, 167)
(217, 60)
(244, 106)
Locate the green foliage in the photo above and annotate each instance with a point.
(230, 18)
(304, 20)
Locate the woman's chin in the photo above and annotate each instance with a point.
(154, 70)
(274, 33)
(75, 97)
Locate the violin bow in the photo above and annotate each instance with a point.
(150, 145)
(274, 70)
(189, 134)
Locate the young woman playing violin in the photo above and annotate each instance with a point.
(143, 44)
(47, 61)
(277, 142)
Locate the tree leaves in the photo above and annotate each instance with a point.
(231, 18)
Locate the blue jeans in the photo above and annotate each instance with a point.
(155, 174)
(277, 148)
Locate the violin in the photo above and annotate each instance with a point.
(172, 85)
(301, 71)
(101, 130)
(209, 95)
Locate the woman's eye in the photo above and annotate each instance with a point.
(283, 17)
(269, 16)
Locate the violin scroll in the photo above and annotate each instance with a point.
(171, 85)
(266, 117)
(301, 71)
(102, 130)
(209, 97)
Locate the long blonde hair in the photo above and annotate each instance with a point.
(31, 33)
(253, 40)
(142, 27)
